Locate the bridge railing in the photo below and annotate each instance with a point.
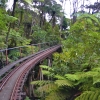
(10, 55)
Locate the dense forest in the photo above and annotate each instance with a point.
(75, 71)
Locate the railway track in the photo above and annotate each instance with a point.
(11, 86)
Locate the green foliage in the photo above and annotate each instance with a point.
(27, 98)
(40, 82)
(89, 95)
(81, 46)
(28, 1)
(89, 16)
(60, 63)
(48, 88)
(58, 95)
(46, 34)
(39, 35)
(14, 54)
(2, 42)
(65, 23)
(79, 61)
(10, 19)
(72, 77)
(54, 86)
(65, 82)
(46, 67)
(15, 39)
(3, 21)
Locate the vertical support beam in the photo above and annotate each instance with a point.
(6, 56)
(31, 87)
(20, 52)
(49, 61)
(39, 45)
(40, 74)
(32, 49)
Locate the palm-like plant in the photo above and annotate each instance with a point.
(80, 60)
(56, 88)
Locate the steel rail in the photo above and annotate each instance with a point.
(16, 95)
(19, 83)
(11, 65)
(5, 78)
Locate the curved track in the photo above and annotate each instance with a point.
(11, 86)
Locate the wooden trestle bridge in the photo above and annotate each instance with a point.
(14, 75)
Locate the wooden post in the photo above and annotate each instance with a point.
(32, 49)
(20, 52)
(49, 61)
(39, 45)
(30, 86)
(6, 56)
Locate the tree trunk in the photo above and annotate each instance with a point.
(14, 5)
(12, 14)
(21, 17)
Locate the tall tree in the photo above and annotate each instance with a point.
(94, 7)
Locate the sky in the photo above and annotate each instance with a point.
(67, 5)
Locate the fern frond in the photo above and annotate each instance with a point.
(72, 77)
(64, 83)
(45, 67)
(40, 83)
(89, 95)
(56, 95)
(92, 17)
(96, 80)
(59, 77)
(90, 74)
(48, 88)
(44, 72)
(96, 69)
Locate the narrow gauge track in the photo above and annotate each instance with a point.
(11, 86)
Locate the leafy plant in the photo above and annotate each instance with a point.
(54, 86)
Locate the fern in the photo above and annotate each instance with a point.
(44, 72)
(27, 98)
(64, 83)
(59, 77)
(72, 77)
(46, 67)
(90, 16)
(40, 83)
(89, 95)
(48, 88)
(56, 95)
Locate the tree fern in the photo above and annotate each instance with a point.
(53, 87)
(46, 67)
(89, 95)
(40, 83)
(72, 77)
(48, 88)
(90, 16)
(56, 95)
(66, 83)
(59, 77)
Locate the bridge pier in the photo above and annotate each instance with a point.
(31, 87)
(49, 63)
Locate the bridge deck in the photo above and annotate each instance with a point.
(11, 65)
(6, 92)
